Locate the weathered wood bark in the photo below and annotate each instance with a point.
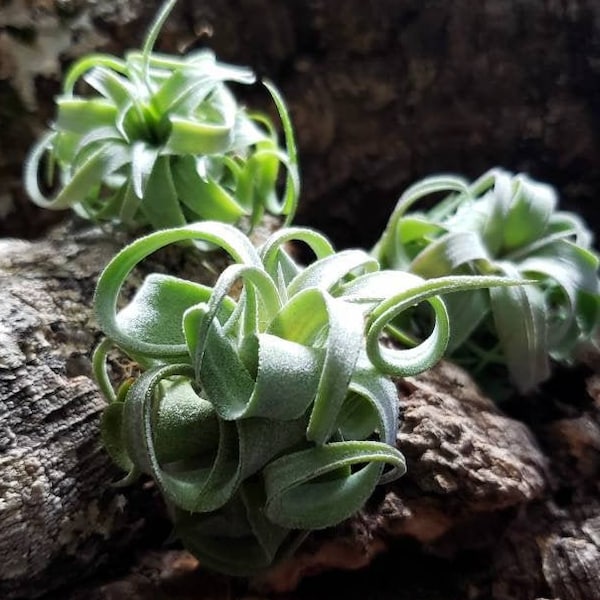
(59, 513)
(382, 92)
(55, 495)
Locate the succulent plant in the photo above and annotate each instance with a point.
(507, 225)
(266, 412)
(162, 141)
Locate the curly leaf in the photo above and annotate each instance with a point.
(300, 494)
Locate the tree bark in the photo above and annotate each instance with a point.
(56, 503)
(60, 517)
(59, 514)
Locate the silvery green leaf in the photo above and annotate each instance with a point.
(449, 252)
(528, 214)
(143, 159)
(298, 495)
(521, 327)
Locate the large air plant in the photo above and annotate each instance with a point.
(162, 141)
(266, 412)
(506, 225)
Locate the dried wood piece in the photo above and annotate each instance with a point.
(460, 445)
(552, 550)
(166, 575)
(55, 494)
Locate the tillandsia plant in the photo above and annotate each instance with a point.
(507, 225)
(161, 141)
(266, 411)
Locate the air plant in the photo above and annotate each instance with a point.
(263, 413)
(162, 141)
(506, 225)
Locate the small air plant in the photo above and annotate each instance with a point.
(506, 225)
(163, 142)
(264, 413)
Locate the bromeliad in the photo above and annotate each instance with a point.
(506, 225)
(264, 413)
(162, 141)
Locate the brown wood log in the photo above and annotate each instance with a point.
(56, 503)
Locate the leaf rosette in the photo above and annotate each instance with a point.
(162, 141)
(266, 411)
(506, 225)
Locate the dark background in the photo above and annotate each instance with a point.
(382, 92)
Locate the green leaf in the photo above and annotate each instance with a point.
(188, 86)
(196, 489)
(330, 271)
(448, 253)
(386, 294)
(155, 314)
(160, 203)
(80, 115)
(574, 270)
(184, 425)
(189, 136)
(529, 212)
(272, 250)
(205, 198)
(292, 181)
(111, 427)
(110, 84)
(519, 316)
(249, 546)
(88, 63)
(467, 310)
(430, 185)
(114, 275)
(143, 159)
(298, 497)
(100, 163)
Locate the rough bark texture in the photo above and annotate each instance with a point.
(382, 92)
(55, 496)
(59, 515)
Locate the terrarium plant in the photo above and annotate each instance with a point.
(160, 140)
(263, 407)
(507, 225)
